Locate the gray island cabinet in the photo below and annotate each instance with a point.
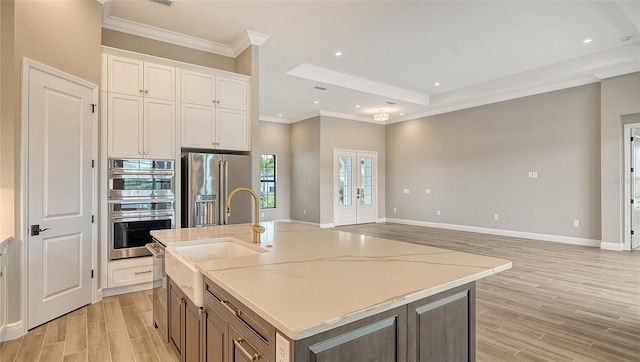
(437, 328)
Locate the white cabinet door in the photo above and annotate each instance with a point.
(232, 93)
(125, 76)
(231, 129)
(198, 126)
(159, 129)
(198, 88)
(159, 81)
(125, 126)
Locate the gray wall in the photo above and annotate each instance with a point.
(116, 39)
(275, 139)
(351, 135)
(620, 96)
(305, 170)
(476, 164)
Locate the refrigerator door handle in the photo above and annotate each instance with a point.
(226, 188)
(222, 196)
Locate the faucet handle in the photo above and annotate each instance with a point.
(257, 229)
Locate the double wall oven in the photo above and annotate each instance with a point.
(141, 198)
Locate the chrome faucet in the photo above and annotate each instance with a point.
(256, 228)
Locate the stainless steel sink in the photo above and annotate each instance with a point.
(181, 259)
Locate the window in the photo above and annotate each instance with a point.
(267, 181)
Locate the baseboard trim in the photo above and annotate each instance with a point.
(327, 226)
(605, 245)
(381, 220)
(304, 222)
(109, 292)
(13, 331)
(501, 232)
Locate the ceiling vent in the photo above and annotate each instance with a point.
(163, 2)
(391, 103)
(320, 88)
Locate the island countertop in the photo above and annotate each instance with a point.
(314, 279)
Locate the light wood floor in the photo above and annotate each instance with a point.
(559, 302)
(118, 328)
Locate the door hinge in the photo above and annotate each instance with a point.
(93, 108)
(631, 232)
(92, 219)
(631, 169)
(632, 201)
(91, 273)
(93, 163)
(631, 138)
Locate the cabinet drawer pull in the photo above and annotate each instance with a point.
(180, 300)
(201, 311)
(142, 272)
(238, 344)
(225, 303)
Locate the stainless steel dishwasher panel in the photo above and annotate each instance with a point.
(160, 301)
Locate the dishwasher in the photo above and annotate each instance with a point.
(160, 300)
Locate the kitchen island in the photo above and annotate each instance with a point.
(323, 295)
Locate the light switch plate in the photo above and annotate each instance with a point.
(406, 191)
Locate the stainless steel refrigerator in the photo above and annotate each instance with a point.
(207, 179)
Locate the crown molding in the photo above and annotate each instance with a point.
(151, 32)
(348, 116)
(305, 116)
(618, 69)
(247, 39)
(102, 1)
(274, 119)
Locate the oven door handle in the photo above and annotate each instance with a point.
(139, 172)
(155, 250)
(141, 217)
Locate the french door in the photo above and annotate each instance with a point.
(635, 188)
(355, 187)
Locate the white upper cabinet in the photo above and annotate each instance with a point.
(138, 78)
(214, 112)
(213, 90)
(140, 127)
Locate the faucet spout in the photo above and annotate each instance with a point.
(256, 228)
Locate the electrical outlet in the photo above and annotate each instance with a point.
(535, 174)
(262, 214)
(304, 212)
(576, 223)
(496, 217)
(530, 174)
(282, 349)
(438, 212)
(428, 191)
(395, 210)
(406, 191)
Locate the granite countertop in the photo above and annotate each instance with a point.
(313, 279)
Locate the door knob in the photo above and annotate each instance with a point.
(35, 230)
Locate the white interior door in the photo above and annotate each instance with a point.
(635, 189)
(355, 189)
(59, 196)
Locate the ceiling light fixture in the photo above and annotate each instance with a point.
(316, 102)
(436, 84)
(402, 114)
(280, 115)
(587, 41)
(337, 54)
(357, 106)
(381, 117)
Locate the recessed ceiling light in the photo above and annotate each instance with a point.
(436, 84)
(337, 54)
(280, 115)
(316, 102)
(357, 106)
(587, 41)
(402, 114)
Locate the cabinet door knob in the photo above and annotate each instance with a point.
(146, 91)
(180, 300)
(141, 91)
(201, 311)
